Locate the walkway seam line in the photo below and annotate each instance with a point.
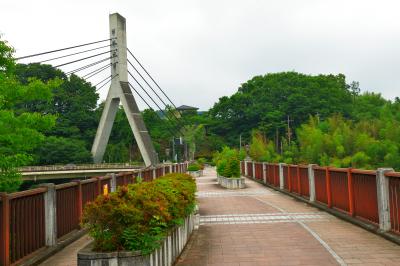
(313, 233)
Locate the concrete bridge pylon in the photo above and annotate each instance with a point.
(120, 92)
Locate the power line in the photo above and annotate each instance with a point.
(88, 65)
(62, 49)
(59, 57)
(153, 100)
(78, 60)
(173, 114)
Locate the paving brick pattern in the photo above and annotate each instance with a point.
(259, 226)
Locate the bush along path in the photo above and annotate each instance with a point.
(138, 216)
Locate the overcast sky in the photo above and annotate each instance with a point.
(201, 50)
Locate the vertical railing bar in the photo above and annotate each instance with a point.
(328, 187)
(350, 189)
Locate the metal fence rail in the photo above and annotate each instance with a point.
(370, 196)
(24, 229)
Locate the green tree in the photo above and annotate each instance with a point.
(20, 132)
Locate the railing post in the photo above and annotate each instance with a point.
(246, 170)
(113, 183)
(350, 189)
(328, 186)
(154, 173)
(163, 170)
(311, 182)
(264, 172)
(298, 180)
(254, 169)
(5, 248)
(281, 179)
(98, 186)
(289, 178)
(79, 196)
(50, 214)
(382, 185)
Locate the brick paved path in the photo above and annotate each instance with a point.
(259, 226)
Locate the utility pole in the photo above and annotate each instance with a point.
(120, 91)
(240, 142)
(289, 131)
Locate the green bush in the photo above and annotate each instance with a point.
(138, 216)
(194, 167)
(228, 163)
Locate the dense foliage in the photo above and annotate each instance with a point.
(227, 162)
(193, 167)
(265, 102)
(21, 131)
(138, 216)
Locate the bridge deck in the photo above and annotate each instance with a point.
(259, 226)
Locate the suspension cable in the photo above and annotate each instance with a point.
(151, 108)
(108, 64)
(85, 51)
(88, 65)
(153, 100)
(78, 60)
(106, 82)
(62, 49)
(151, 77)
(88, 76)
(173, 114)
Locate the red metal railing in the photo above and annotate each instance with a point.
(394, 201)
(2, 228)
(286, 182)
(352, 191)
(242, 168)
(250, 169)
(258, 171)
(365, 195)
(293, 178)
(27, 230)
(90, 190)
(67, 208)
(304, 183)
(339, 189)
(270, 174)
(22, 214)
(320, 184)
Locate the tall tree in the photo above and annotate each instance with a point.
(20, 132)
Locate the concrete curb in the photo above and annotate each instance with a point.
(43, 255)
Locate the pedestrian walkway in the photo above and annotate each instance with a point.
(260, 226)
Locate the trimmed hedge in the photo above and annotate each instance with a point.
(138, 216)
(194, 167)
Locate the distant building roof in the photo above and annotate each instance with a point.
(187, 108)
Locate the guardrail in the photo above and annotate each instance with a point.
(37, 219)
(371, 196)
(45, 168)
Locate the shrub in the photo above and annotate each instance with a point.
(138, 216)
(201, 162)
(194, 167)
(228, 163)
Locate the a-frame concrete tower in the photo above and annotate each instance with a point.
(120, 92)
